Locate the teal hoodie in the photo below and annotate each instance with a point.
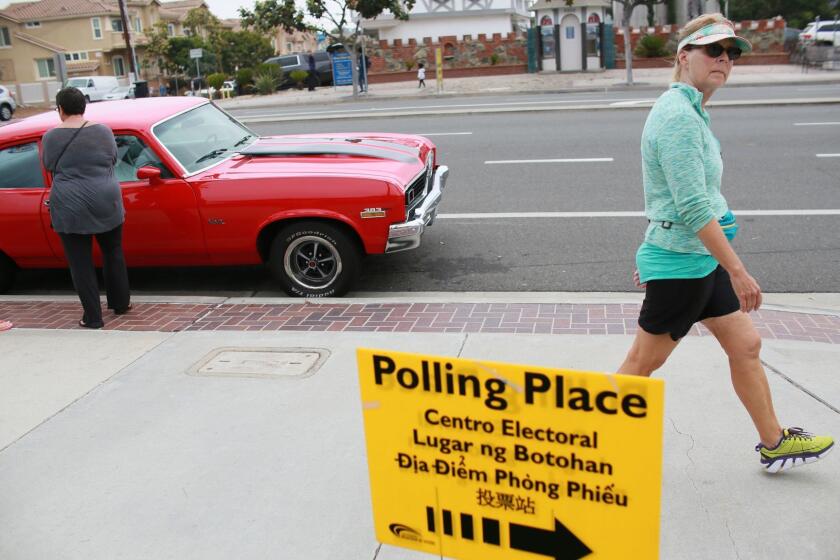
(681, 168)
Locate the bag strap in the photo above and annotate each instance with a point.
(64, 149)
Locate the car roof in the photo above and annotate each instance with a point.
(124, 113)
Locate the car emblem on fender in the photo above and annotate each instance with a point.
(372, 213)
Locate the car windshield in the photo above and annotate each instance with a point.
(76, 82)
(203, 137)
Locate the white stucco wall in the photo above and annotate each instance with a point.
(452, 25)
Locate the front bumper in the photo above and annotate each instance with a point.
(405, 236)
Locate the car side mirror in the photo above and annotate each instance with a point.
(149, 172)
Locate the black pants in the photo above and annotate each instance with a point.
(78, 248)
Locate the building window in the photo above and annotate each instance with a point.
(288, 47)
(138, 24)
(116, 24)
(32, 24)
(170, 28)
(97, 27)
(119, 66)
(46, 68)
(5, 38)
(75, 56)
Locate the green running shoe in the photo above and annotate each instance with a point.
(797, 447)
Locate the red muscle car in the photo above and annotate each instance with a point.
(200, 188)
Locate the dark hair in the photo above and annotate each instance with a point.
(71, 100)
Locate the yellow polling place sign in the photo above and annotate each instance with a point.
(484, 460)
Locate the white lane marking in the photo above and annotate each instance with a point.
(443, 133)
(564, 160)
(830, 123)
(619, 214)
(828, 155)
(632, 102)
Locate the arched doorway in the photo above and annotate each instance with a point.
(570, 44)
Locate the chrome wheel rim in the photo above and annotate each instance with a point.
(312, 262)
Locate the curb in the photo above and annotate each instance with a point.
(637, 86)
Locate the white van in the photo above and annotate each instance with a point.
(94, 87)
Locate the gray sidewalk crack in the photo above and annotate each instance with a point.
(376, 552)
(463, 343)
(732, 540)
(86, 393)
(800, 387)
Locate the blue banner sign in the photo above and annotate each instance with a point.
(342, 69)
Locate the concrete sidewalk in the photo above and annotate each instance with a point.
(114, 444)
(644, 79)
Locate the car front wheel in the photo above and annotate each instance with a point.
(5, 112)
(313, 259)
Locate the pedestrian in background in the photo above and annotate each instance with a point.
(364, 64)
(421, 75)
(162, 89)
(312, 78)
(686, 263)
(86, 203)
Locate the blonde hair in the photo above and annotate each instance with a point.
(694, 25)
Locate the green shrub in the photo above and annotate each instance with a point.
(269, 69)
(265, 84)
(244, 77)
(409, 64)
(494, 59)
(216, 81)
(298, 77)
(651, 46)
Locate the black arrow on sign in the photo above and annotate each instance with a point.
(560, 544)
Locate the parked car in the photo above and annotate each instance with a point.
(7, 103)
(119, 92)
(229, 87)
(827, 34)
(94, 87)
(200, 188)
(300, 61)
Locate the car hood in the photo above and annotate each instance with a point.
(396, 158)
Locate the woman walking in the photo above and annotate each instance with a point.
(86, 203)
(688, 268)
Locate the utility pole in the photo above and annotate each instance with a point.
(127, 35)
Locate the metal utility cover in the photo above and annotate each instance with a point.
(261, 362)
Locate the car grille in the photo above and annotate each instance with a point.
(415, 193)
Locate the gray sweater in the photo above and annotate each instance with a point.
(85, 197)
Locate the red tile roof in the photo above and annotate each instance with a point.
(46, 9)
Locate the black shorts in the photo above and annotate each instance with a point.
(673, 306)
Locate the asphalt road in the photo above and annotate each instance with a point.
(771, 164)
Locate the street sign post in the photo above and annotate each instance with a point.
(484, 460)
(342, 69)
(197, 54)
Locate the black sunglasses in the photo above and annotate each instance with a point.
(714, 50)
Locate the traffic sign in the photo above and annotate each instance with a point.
(342, 69)
(484, 460)
(196, 53)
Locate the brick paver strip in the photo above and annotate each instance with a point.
(519, 318)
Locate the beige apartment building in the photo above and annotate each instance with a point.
(89, 34)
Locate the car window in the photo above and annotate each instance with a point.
(132, 154)
(285, 61)
(203, 137)
(20, 167)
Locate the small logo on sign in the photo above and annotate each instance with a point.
(405, 532)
